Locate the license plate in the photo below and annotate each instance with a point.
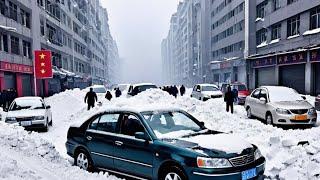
(26, 123)
(301, 117)
(248, 174)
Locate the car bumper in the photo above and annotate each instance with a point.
(212, 97)
(33, 123)
(200, 175)
(290, 120)
(242, 100)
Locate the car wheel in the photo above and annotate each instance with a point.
(269, 119)
(83, 161)
(173, 173)
(249, 114)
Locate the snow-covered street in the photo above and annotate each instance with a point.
(43, 155)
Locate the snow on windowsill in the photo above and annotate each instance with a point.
(294, 36)
(259, 19)
(310, 32)
(263, 44)
(274, 41)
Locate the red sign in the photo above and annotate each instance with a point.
(12, 67)
(43, 64)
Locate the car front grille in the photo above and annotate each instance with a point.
(299, 111)
(24, 119)
(216, 96)
(242, 160)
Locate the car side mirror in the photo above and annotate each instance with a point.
(202, 123)
(304, 98)
(141, 135)
(48, 107)
(263, 100)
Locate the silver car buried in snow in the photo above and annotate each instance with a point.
(280, 105)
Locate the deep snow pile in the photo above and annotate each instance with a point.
(26, 155)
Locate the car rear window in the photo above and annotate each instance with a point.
(240, 87)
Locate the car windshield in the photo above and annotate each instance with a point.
(209, 88)
(171, 125)
(27, 104)
(240, 87)
(281, 94)
(99, 90)
(145, 87)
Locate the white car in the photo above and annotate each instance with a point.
(30, 112)
(124, 88)
(280, 105)
(205, 92)
(98, 89)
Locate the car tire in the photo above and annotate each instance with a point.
(249, 114)
(269, 119)
(173, 172)
(83, 160)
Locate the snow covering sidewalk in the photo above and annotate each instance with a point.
(27, 156)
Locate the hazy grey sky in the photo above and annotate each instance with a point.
(139, 26)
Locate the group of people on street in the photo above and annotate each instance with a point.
(91, 97)
(230, 97)
(7, 97)
(173, 90)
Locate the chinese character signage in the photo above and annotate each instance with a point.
(265, 62)
(12, 67)
(43, 64)
(294, 58)
(225, 65)
(315, 55)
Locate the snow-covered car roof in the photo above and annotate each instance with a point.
(207, 85)
(97, 86)
(28, 98)
(142, 84)
(139, 110)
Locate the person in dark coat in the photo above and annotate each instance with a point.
(175, 91)
(91, 98)
(118, 93)
(182, 90)
(229, 99)
(235, 94)
(108, 96)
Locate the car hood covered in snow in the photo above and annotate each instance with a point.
(220, 144)
(212, 93)
(26, 113)
(292, 105)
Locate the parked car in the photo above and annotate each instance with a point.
(242, 89)
(317, 103)
(138, 88)
(98, 89)
(280, 105)
(124, 88)
(205, 92)
(160, 144)
(30, 112)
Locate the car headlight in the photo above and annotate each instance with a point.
(10, 119)
(213, 163)
(312, 111)
(257, 154)
(282, 111)
(38, 117)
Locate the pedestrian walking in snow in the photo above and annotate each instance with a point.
(91, 98)
(108, 96)
(175, 91)
(118, 92)
(236, 94)
(182, 90)
(229, 99)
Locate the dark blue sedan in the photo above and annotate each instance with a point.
(161, 144)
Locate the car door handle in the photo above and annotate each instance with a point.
(118, 143)
(89, 138)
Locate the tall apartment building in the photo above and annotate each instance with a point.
(71, 29)
(184, 51)
(282, 42)
(227, 41)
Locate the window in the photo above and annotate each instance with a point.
(276, 31)
(256, 93)
(5, 43)
(94, 124)
(276, 4)
(291, 1)
(13, 11)
(25, 18)
(3, 7)
(130, 125)
(26, 49)
(108, 123)
(42, 27)
(40, 3)
(261, 36)
(315, 18)
(15, 45)
(263, 94)
(293, 26)
(261, 9)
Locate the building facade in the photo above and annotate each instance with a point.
(70, 29)
(283, 44)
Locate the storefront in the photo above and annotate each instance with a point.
(315, 60)
(228, 71)
(16, 76)
(292, 70)
(265, 71)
